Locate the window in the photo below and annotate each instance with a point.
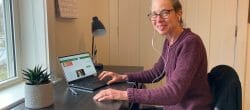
(23, 38)
(7, 62)
(23, 42)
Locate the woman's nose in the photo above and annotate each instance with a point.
(159, 18)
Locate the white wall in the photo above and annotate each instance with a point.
(69, 36)
(246, 96)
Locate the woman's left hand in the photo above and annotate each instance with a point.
(111, 94)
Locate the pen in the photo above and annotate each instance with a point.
(73, 91)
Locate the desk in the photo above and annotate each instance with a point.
(65, 100)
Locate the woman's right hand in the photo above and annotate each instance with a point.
(115, 77)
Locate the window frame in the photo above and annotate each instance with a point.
(12, 30)
(30, 27)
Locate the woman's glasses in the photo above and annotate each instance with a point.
(163, 14)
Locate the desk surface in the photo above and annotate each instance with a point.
(65, 100)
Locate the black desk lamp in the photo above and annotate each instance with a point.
(97, 30)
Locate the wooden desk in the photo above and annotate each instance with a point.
(65, 100)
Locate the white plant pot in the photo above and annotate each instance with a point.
(39, 96)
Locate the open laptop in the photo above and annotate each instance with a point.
(80, 72)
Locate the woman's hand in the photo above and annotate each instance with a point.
(115, 77)
(111, 94)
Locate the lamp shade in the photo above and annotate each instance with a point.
(97, 27)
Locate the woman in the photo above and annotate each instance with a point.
(183, 61)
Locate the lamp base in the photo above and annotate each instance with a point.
(98, 66)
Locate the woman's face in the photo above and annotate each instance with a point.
(163, 16)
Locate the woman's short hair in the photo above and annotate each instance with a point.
(177, 7)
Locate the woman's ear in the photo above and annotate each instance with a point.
(179, 13)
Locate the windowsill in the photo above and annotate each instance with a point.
(12, 96)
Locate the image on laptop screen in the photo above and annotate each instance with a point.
(77, 66)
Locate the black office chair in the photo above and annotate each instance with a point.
(226, 88)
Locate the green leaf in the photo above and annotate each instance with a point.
(36, 76)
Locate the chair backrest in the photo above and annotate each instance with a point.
(225, 87)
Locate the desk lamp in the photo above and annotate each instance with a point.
(97, 30)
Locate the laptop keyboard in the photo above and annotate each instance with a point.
(89, 82)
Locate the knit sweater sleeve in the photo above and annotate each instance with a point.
(187, 64)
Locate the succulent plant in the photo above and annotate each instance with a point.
(36, 76)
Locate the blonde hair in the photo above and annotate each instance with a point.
(177, 7)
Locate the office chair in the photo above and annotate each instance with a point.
(225, 88)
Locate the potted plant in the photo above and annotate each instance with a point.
(38, 88)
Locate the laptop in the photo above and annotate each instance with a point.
(80, 72)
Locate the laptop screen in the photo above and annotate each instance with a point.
(77, 66)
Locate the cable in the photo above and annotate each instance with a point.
(157, 77)
(152, 43)
(163, 58)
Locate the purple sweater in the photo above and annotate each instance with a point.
(186, 87)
